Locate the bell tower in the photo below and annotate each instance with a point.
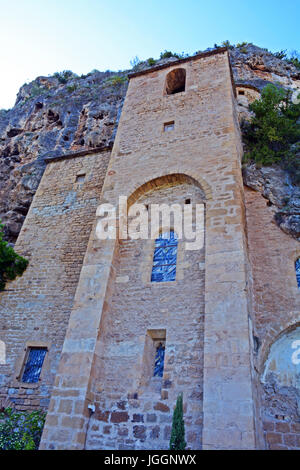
(152, 319)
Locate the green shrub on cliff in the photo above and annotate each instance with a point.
(295, 59)
(64, 76)
(116, 80)
(11, 264)
(272, 136)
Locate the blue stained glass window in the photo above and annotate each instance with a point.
(297, 267)
(159, 361)
(33, 366)
(164, 259)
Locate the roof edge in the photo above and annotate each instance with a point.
(81, 153)
(177, 62)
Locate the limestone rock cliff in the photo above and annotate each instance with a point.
(52, 116)
(66, 113)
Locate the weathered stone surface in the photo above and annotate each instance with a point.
(54, 239)
(55, 115)
(119, 417)
(51, 118)
(199, 160)
(161, 407)
(240, 285)
(139, 432)
(276, 186)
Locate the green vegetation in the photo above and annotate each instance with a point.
(227, 44)
(177, 440)
(242, 47)
(11, 264)
(151, 61)
(295, 59)
(135, 62)
(64, 76)
(241, 44)
(168, 54)
(272, 136)
(71, 88)
(35, 90)
(89, 74)
(21, 430)
(280, 55)
(291, 58)
(116, 80)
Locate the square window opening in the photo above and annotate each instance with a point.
(80, 178)
(169, 126)
(153, 360)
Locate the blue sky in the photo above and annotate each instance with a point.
(40, 37)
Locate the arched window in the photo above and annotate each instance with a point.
(175, 81)
(297, 267)
(164, 259)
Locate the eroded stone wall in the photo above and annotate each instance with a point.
(276, 306)
(35, 308)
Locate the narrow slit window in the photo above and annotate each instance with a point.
(168, 126)
(297, 267)
(165, 258)
(159, 361)
(33, 365)
(80, 178)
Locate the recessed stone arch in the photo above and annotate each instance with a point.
(280, 390)
(278, 330)
(171, 179)
(137, 304)
(246, 94)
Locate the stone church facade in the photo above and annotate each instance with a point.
(91, 319)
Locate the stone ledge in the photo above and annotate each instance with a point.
(177, 62)
(81, 153)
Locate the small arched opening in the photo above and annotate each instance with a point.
(175, 81)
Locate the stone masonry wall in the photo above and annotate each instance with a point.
(205, 147)
(134, 409)
(35, 308)
(276, 306)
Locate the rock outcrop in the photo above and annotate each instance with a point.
(275, 185)
(65, 113)
(52, 116)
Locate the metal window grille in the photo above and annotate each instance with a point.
(159, 361)
(297, 267)
(164, 259)
(33, 366)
